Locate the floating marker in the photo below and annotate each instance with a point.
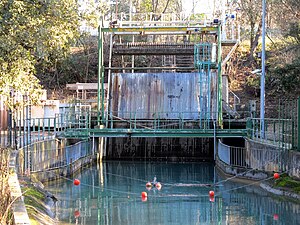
(148, 184)
(144, 194)
(211, 193)
(276, 176)
(158, 185)
(76, 182)
(76, 214)
(275, 216)
(144, 198)
(148, 188)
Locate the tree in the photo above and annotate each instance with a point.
(251, 18)
(32, 33)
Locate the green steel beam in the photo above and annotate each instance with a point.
(160, 29)
(99, 72)
(118, 132)
(220, 113)
(100, 91)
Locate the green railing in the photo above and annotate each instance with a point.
(171, 124)
(279, 132)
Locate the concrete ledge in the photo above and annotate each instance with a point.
(279, 191)
(18, 207)
(66, 171)
(240, 172)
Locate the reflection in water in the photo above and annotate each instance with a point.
(111, 194)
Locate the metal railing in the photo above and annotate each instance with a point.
(264, 159)
(160, 19)
(234, 156)
(51, 154)
(234, 99)
(278, 132)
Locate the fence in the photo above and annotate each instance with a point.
(51, 154)
(234, 156)
(278, 132)
(254, 156)
(282, 130)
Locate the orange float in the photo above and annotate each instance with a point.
(158, 186)
(76, 214)
(276, 176)
(76, 182)
(211, 193)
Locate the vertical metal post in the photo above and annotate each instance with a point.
(219, 88)
(109, 78)
(215, 141)
(262, 78)
(298, 115)
(100, 81)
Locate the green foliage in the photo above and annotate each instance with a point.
(288, 182)
(286, 77)
(33, 193)
(146, 6)
(294, 31)
(33, 32)
(198, 16)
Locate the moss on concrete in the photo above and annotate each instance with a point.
(288, 183)
(37, 204)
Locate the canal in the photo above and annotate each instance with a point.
(110, 194)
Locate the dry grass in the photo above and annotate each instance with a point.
(5, 216)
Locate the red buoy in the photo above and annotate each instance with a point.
(275, 216)
(211, 199)
(211, 193)
(144, 198)
(76, 214)
(158, 186)
(144, 194)
(276, 176)
(76, 182)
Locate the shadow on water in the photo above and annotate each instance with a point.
(110, 193)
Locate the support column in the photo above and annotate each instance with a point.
(101, 147)
(220, 112)
(298, 138)
(100, 108)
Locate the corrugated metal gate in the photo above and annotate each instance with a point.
(167, 94)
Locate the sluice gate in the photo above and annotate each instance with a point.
(164, 91)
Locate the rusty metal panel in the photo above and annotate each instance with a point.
(3, 114)
(160, 95)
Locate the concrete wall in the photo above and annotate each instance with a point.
(263, 160)
(66, 171)
(294, 164)
(19, 211)
(264, 157)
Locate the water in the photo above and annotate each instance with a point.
(110, 193)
